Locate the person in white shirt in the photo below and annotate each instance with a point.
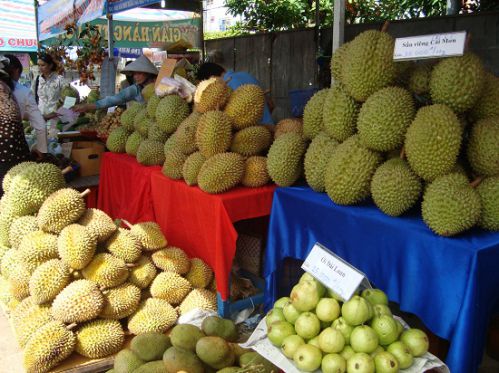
(28, 107)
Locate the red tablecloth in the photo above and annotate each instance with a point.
(125, 188)
(201, 223)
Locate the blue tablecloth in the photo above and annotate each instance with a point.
(452, 284)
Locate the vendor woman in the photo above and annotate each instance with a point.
(143, 72)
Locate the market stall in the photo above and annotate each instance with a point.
(138, 193)
(450, 283)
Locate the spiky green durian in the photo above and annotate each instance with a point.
(106, 270)
(133, 142)
(98, 223)
(153, 315)
(221, 172)
(116, 141)
(251, 141)
(121, 301)
(150, 153)
(186, 133)
(99, 338)
(313, 121)
(174, 163)
(316, 159)
(255, 172)
(489, 195)
(339, 114)
(483, 147)
(285, 157)
(170, 112)
(128, 116)
(211, 94)
(191, 168)
(245, 106)
(213, 133)
(48, 280)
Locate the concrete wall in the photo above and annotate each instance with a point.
(288, 61)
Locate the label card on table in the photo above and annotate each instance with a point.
(334, 272)
(430, 46)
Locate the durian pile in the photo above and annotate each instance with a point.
(401, 133)
(188, 348)
(75, 281)
(219, 145)
(317, 330)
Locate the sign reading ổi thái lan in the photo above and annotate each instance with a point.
(430, 46)
(334, 272)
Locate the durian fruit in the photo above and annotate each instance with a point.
(106, 270)
(171, 287)
(483, 147)
(221, 172)
(143, 273)
(155, 133)
(316, 159)
(152, 105)
(457, 82)
(450, 205)
(384, 118)
(61, 208)
(50, 344)
(128, 116)
(211, 94)
(32, 319)
(403, 71)
(126, 361)
(213, 285)
(150, 153)
(349, 172)
(191, 168)
(199, 298)
(419, 79)
(116, 141)
(213, 133)
(30, 188)
(313, 122)
(395, 188)
(174, 163)
(133, 142)
(487, 104)
(98, 223)
(141, 122)
(99, 338)
(150, 346)
(149, 235)
(339, 114)
(368, 64)
(255, 172)
(13, 171)
(288, 125)
(186, 133)
(125, 245)
(433, 141)
(22, 309)
(20, 227)
(48, 280)
(6, 298)
(76, 246)
(7, 217)
(170, 112)
(148, 92)
(285, 157)
(121, 301)
(19, 281)
(489, 195)
(245, 106)
(337, 62)
(153, 315)
(3, 250)
(36, 248)
(172, 259)
(200, 274)
(9, 261)
(251, 141)
(171, 144)
(80, 301)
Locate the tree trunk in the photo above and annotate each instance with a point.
(453, 7)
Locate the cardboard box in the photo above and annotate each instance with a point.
(88, 154)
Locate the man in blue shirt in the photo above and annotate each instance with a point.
(234, 79)
(144, 72)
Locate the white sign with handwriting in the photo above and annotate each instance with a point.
(430, 46)
(333, 272)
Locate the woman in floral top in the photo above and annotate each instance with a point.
(47, 89)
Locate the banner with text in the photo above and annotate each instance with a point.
(430, 46)
(17, 26)
(148, 34)
(116, 6)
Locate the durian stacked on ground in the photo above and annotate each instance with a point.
(317, 330)
(74, 281)
(401, 132)
(191, 349)
(219, 145)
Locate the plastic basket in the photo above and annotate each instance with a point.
(298, 99)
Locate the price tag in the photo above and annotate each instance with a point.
(430, 46)
(334, 272)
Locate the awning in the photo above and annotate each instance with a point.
(17, 26)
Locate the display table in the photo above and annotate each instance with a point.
(202, 223)
(452, 284)
(125, 188)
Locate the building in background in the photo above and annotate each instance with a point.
(216, 16)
